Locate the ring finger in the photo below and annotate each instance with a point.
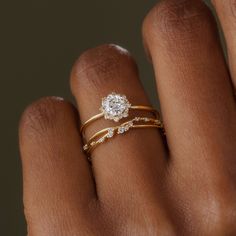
(129, 163)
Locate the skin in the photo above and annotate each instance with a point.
(136, 185)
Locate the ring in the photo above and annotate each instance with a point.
(115, 107)
(105, 134)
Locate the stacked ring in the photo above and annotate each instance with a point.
(116, 107)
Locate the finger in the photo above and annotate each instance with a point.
(193, 82)
(198, 111)
(226, 11)
(130, 163)
(58, 185)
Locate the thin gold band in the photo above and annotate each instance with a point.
(107, 133)
(100, 115)
(154, 121)
(90, 149)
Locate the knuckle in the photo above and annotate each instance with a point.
(219, 212)
(95, 66)
(43, 115)
(69, 222)
(127, 216)
(177, 20)
(151, 226)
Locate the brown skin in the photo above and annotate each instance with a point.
(136, 186)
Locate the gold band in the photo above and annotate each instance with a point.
(91, 148)
(99, 133)
(100, 115)
(107, 133)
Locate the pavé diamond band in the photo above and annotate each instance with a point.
(115, 107)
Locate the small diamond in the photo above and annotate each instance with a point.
(85, 147)
(126, 128)
(115, 107)
(101, 140)
(121, 130)
(146, 119)
(93, 143)
(130, 123)
(110, 133)
(137, 118)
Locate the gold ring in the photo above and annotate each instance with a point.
(108, 133)
(115, 107)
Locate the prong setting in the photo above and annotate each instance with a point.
(115, 107)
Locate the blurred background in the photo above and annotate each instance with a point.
(40, 40)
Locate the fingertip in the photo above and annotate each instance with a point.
(96, 66)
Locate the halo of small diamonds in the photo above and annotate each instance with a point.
(115, 107)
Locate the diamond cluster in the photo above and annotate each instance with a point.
(115, 107)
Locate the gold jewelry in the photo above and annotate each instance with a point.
(108, 133)
(124, 127)
(115, 107)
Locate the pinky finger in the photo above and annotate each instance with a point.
(57, 179)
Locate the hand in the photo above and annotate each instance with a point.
(137, 186)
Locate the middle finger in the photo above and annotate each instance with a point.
(193, 82)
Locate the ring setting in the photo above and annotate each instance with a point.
(115, 107)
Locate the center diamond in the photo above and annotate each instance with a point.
(115, 107)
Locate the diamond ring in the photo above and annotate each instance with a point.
(116, 107)
(108, 133)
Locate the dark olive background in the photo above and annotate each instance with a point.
(40, 40)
